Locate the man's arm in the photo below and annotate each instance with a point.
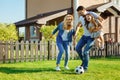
(97, 16)
(77, 29)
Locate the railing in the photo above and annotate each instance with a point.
(42, 50)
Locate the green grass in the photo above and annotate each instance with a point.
(99, 69)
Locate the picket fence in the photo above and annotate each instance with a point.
(42, 50)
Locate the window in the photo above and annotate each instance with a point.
(33, 31)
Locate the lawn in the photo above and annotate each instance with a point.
(99, 69)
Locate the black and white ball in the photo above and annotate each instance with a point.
(79, 70)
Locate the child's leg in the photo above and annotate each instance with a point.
(102, 41)
(97, 42)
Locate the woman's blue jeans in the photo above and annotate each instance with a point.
(86, 41)
(63, 46)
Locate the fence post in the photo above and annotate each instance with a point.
(106, 44)
(17, 51)
(11, 51)
(48, 50)
(27, 51)
(1, 52)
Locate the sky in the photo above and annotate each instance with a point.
(12, 11)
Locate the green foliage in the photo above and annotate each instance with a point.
(21, 35)
(79, 34)
(47, 31)
(8, 32)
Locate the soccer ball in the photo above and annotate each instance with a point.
(79, 70)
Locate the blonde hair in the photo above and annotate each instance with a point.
(65, 26)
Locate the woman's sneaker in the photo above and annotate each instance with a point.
(57, 68)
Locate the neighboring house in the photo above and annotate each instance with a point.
(39, 12)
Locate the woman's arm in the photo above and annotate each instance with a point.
(54, 31)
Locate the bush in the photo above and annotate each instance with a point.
(8, 32)
(47, 31)
(80, 33)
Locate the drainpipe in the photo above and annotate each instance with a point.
(116, 29)
(75, 5)
(110, 19)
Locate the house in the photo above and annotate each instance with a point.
(40, 12)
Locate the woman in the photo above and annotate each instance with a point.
(95, 28)
(63, 39)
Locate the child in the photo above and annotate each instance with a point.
(95, 28)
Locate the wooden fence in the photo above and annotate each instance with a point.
(42, 50)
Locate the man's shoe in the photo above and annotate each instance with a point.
(67, 68)
(57, 68)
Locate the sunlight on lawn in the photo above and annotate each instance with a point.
(99, 69)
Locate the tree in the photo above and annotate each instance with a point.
(8, 32)
(47, 31)
(80, 33)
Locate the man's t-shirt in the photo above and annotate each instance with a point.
(82, 21)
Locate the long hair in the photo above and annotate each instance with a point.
(86, 23)
(93, 21)
(65, 25)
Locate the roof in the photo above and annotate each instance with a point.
(106, 9)
(94, 7)
(44, 17)
(109, 9)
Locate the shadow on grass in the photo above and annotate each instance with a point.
(13, 70)
(69, 72)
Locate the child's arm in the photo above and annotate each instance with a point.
(98, 27)
(99, 24)
(91, 29)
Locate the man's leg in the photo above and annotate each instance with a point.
(79, 47)
(86, 51)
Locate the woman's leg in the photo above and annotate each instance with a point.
(67, 52)
(61, 51)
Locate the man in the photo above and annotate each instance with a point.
(86, 41)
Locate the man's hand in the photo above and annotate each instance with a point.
(51, 36)
(74, 42)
